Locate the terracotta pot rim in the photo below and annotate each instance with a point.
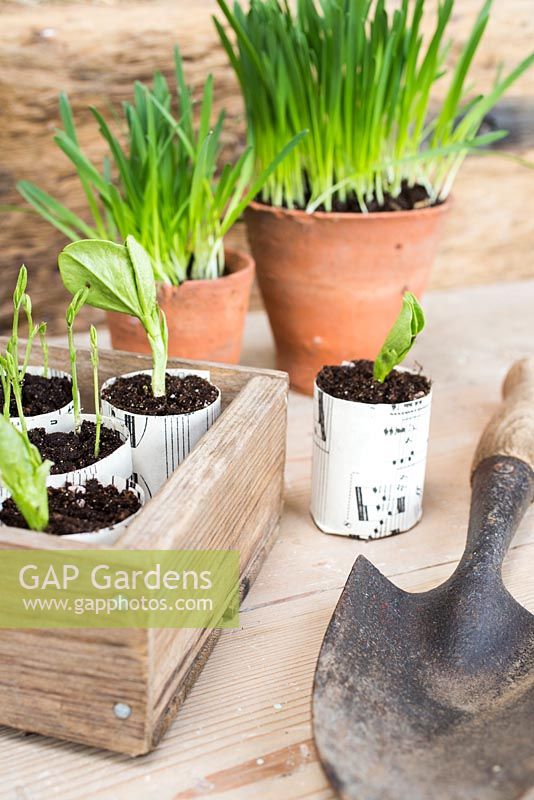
(240, 264)
(352, 216)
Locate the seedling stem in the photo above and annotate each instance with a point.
(96, 390)
(77, 303)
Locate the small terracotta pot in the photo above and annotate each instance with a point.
(332, 283)
(205, 317)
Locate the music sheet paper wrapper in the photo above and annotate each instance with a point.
(368, 465)
(52, 418)
(160, 444)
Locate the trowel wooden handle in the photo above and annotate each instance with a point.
(510, 432)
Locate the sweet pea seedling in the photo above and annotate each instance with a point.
(11, 374)
(33, 330)
(24, 474)
(11, 369)
(77, 303)
(13, 344)
(18, 298)
(120, 278)
(401, 337)
(44, 348)
(93, 337)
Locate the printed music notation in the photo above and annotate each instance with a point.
(369, 465)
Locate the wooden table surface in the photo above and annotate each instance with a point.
(244, 731)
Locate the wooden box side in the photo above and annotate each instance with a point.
(238, 474)
(229, 493)
(65, 683)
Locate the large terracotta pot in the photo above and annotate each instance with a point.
(205, 317)
(332, 283)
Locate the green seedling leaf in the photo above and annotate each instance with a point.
(143, 275)
(20, 288)
(76, 305)
(33, 330)
(106, 270)
(119, 278)
(401, 337)
(18, 299)
(93, 340)
(24, 474)
(26, 305)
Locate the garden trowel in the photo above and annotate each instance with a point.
(430, 696)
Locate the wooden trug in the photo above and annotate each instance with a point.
(226, 495)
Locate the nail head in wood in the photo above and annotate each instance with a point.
(122, 710)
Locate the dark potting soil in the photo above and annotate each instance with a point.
(356, 383)
(410, 198)
(70, 451)
(41, 395)
(184, 395)
(78, 511)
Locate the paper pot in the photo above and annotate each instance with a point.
(53, 417)
(108, 536)
(160, 444)
(118, 463)
(104, 536)
(369, 464)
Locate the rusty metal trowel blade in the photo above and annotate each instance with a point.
(397, 717)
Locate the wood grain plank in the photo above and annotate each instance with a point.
(65, 683)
